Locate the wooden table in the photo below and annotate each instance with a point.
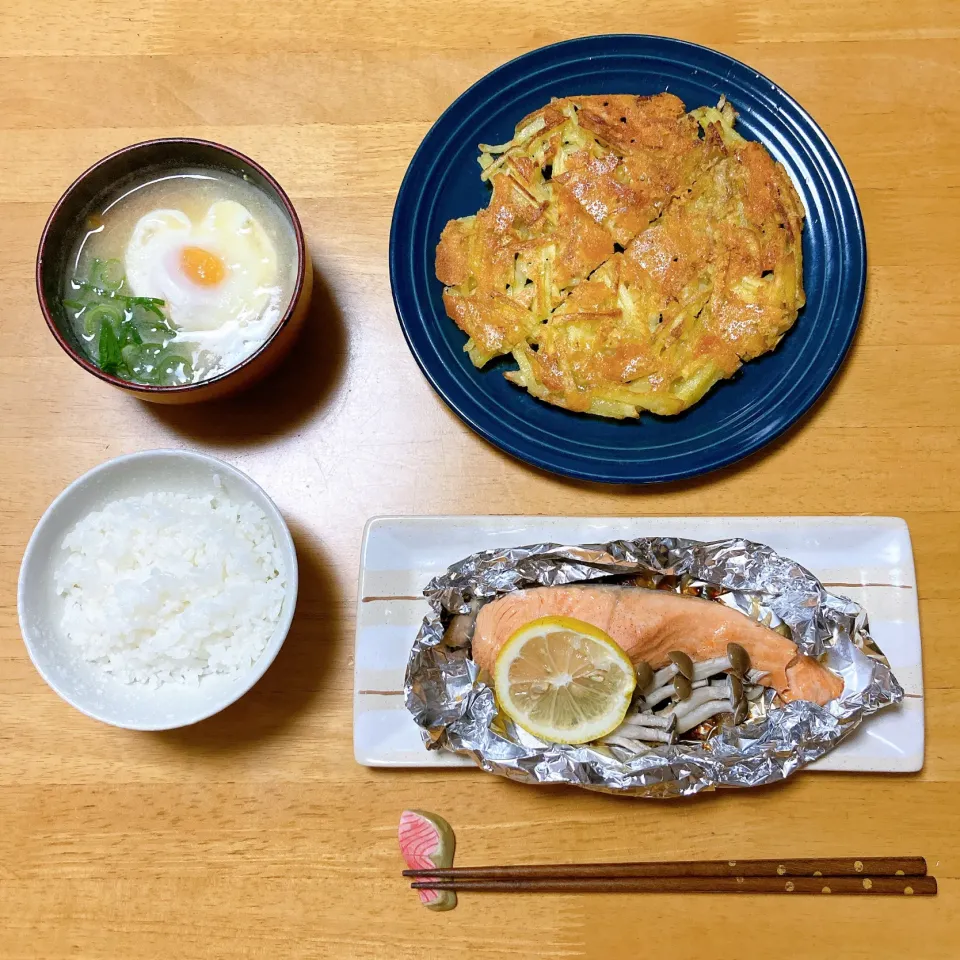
(255, 834)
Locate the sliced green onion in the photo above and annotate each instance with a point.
(108, 274)
(146, 301)
(148, 368)
(109, 356)
(152, 314)
(155, 309)
(131, 356)
(101, 291)
(129, 332)
(99, 315)
(176, 370)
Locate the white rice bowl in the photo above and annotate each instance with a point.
(157, 589)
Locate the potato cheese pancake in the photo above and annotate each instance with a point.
(632, 254)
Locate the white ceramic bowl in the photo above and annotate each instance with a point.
(85, 685)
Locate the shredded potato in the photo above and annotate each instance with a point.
(632, 255)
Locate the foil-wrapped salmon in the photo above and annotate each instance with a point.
(651, 624)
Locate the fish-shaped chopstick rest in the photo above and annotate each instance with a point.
(427, 840)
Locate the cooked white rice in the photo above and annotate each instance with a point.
(167, 586)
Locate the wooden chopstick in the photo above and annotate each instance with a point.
(815, 867)
(921, 886)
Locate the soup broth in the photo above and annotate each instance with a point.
(180, 276)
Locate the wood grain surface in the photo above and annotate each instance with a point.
(254, 834)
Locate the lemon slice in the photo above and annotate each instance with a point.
(563, 680)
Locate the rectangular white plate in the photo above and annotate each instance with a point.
(869, 559)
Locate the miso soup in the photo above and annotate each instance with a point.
(179, 276)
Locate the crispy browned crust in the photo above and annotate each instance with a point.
(708, 273)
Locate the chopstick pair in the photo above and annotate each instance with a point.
(870, 876)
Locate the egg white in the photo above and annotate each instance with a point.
(224, 317)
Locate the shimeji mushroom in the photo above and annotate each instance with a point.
(459, 631)
(646, 726)
(651, 719)
(737, 662)
(654, 720)
(704, 712)
(636, 729)
(678, 687)
(644, 675)
(743, 693)
(680, 664)
(695, 696)
(756, 676)
(723, 696)
(627, 743)
(713, 691)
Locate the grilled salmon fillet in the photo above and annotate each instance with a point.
(649, 624)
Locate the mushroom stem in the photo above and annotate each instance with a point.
(704, 711)
(710, 668)
(680, 664)
(626, 743)
(637, 731)
(663, 676)
(659, 694)
(652, 720)
(698, 697)
(730, 689)
(736, 661)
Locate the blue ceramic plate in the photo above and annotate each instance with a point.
(738, 416)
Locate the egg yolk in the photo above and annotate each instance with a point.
(202, 267)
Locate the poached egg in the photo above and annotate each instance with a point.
(219, 277)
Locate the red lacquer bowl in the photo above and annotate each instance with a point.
(60, 234)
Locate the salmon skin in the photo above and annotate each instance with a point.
(427, 840)
(649, 624)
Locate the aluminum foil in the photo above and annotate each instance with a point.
(457, 711)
